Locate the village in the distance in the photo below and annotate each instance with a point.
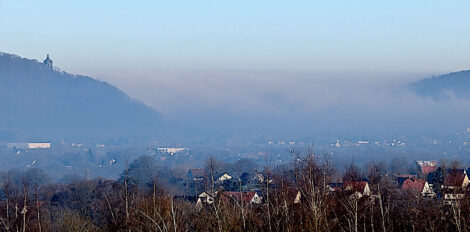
(411, 163)
(207, 177)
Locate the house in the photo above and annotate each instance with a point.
(224, 177)
(294, 195)
(171, 150)
(247, 198)
(359, 188)
(456, 179)
(259, 178)
(205, 198)
(335, 184)
(196, 174)
(427, 166)
(400, 179)
(418, 185)
(262, 178)
(455, 185)
(298, 197)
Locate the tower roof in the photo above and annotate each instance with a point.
(47, 58)
(48, 61)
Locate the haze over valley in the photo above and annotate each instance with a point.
(236, 111)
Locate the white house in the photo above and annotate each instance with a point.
(204, 199)
(171, 150)
(224, 177)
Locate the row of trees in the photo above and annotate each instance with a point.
(31, 202)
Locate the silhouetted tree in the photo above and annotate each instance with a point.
(352, 173)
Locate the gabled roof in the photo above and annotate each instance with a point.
(454, 178)
(226, 175)
(294, 195)
(414, 184)
(402, 178)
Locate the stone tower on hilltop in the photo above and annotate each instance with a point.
(48, 62)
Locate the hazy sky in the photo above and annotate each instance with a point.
(106, 37)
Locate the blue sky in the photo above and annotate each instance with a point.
(106, 37)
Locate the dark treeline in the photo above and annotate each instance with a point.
(301, 196)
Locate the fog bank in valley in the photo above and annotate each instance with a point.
(294, 103)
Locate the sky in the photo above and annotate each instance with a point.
(245, 57)
(107, 37)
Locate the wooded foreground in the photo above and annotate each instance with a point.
(28, 204)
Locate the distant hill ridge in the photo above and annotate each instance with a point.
(38, 102)
(444, 86)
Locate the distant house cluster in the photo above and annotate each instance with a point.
(41, 145)
(243, 188)
(448, 184)
(171, 150)
(432, 181)
(18, 148)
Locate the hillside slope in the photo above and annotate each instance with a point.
(444, 86)
(39, 103)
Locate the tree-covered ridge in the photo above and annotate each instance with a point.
(40, 103)
(445, 86)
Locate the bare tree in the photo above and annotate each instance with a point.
(352, 174)
(212, 166)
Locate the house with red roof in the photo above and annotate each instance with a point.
(456, 179)
(359, 188)
(427, 166)
(455, 185)
(418, 185)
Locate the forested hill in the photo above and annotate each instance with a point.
(39, 103)
(445, 86)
